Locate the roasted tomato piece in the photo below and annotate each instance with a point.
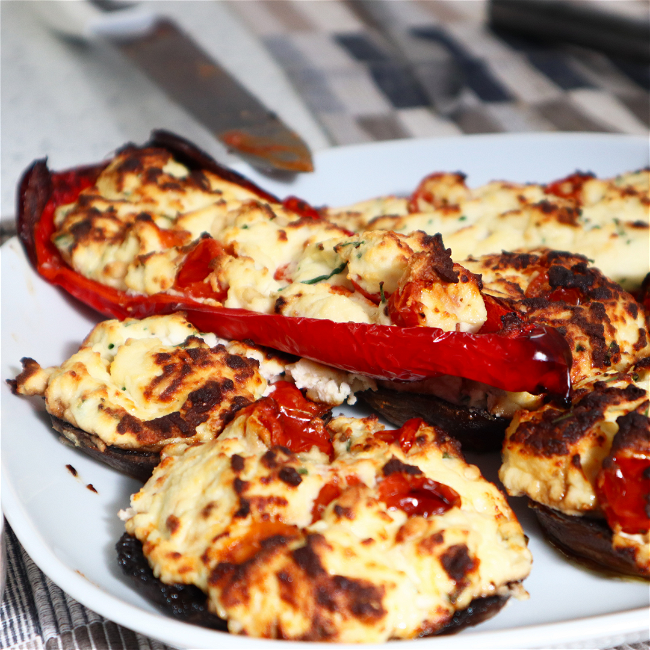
(191, 278)
(293, 421)
(417, 495)
(405, 435)
(327, 494)
(623, 489)
(569, 187)
(541, 287)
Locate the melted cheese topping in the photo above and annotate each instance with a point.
(141, 384)
(136, 227)
(606, 329)
(235, 518)
(605, 219)
(553, 455)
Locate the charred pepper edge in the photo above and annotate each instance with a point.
(534, 361)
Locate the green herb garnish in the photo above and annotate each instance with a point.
(303, 470)
(381, 292)
(320, 278)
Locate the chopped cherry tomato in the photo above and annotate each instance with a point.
(403, 306)
(569, 187)
(171, 238)
(191, 277)
(244, 548)
(417, 495)
(623, 490)
(294, 421)
(495, 310)
(537, 359)
(373, 297)
(540, 286)
(327, 494)
(405, 434)
(281, 274)
(301, 207)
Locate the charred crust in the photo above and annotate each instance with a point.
(440, 258)
(577, 277)
(236, 362)
(290, 476)
(194, 158)
(279, 304)
(343, 512)
(457, 562)
(244, 509)
(556, 431)
(269, 459)
(172, 523)
(587, 539)
(641, 342)
(361, 599)
(239, 486)
(30, 368)
(396, 465)
(236, 463)
(633, 433)
(307, 559)
(184, 602)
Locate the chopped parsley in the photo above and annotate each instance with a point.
(446, 455)
(111, 346)
(356, 244)
(303, 470)
(566, 416)
(580, 347)
(463, 217)
(320, 278)
(381, 292)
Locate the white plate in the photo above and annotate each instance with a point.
(70, 531)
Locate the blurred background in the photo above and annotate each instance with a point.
(338, 72)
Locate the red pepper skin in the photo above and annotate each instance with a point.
(535, 361)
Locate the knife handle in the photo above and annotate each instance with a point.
(83, 20)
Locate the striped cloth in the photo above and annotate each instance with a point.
(360, 90)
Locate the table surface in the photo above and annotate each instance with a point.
(327, 74)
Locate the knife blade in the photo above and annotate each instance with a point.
(191, 78)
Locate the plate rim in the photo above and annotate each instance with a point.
(629, 623)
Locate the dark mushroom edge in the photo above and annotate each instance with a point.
(189, 604)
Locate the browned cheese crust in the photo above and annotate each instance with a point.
(554, 456)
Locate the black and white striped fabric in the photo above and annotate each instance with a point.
(36, 614)
(360, 91)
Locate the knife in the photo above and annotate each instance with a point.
(189, 76)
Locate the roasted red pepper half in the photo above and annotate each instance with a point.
(535, 360)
